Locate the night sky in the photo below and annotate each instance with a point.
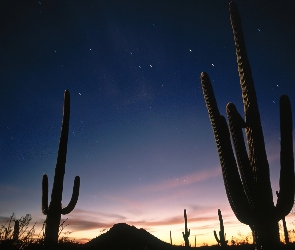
(140, 136)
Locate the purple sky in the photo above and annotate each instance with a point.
(140, 137)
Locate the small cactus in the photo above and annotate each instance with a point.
(16, 230)
(54, 211)
(186, 232)
(221, 241)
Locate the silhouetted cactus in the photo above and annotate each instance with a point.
(186, 232)
(170, 238)
(55, 210)
(284, 225)
(16, 230)
(221, 241)
(248, 187)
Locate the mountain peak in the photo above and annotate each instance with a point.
(123, 236)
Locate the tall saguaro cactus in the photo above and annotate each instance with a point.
(55, 210)
(221, 241)
(186, 232)
(246, 176)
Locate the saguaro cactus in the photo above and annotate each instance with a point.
(186, 232)
(55, 210)
(170, 238)
(248, 186)
(221, 241)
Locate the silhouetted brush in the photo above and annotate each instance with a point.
(221, 241)
(186, 232)
(55, 210)
(246, 176)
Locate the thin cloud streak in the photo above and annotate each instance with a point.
(86, 213)
(171, 221)
(183, 180)
(83, 225)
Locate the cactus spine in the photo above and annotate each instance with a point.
(186, 232)
(248, 186)
(54, 211)
(221, 241)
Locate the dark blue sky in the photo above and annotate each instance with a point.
(138, 123)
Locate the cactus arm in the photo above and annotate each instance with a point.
(236, 123)
(284, 224)
(69, 208)
(286, 194)
(255, 139)
(233, 186)
(216, 237)
(44, 194)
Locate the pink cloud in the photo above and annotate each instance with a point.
(183, 180)
(88, 214)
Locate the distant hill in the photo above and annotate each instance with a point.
(122, 236)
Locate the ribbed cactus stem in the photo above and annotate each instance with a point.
(221, 240)
(186, 232)
(246, 173)
(55, 210)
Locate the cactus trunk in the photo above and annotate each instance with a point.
(246, 174)
(55, 210)
(266, 234)
(285, 231)
(284, 226)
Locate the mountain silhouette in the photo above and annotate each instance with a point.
(123, 236)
